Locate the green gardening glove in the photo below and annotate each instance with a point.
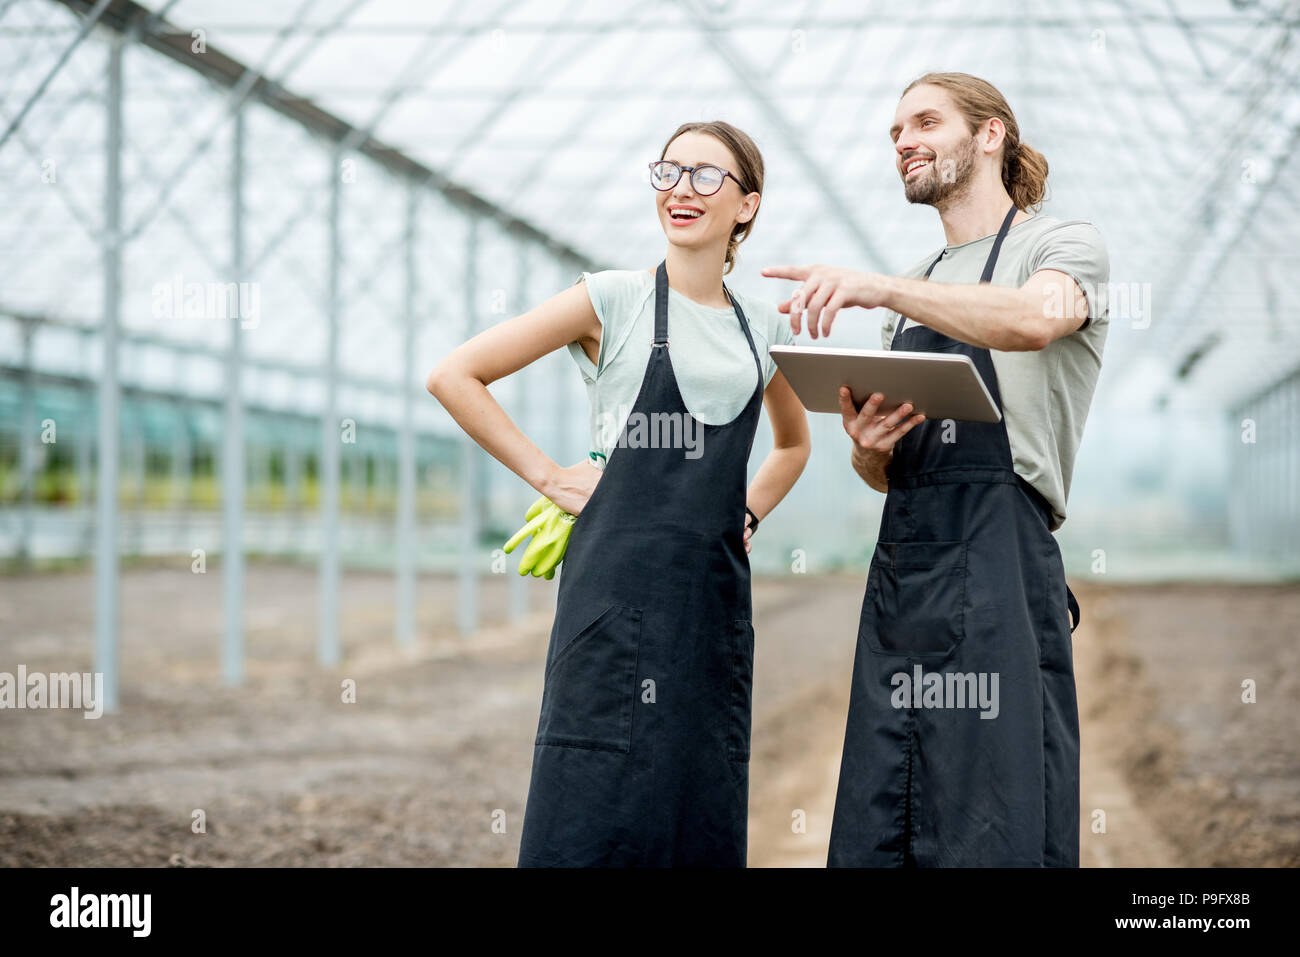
(549, 525)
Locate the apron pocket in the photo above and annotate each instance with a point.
(590, 686)
(740, 707)
(916, 598)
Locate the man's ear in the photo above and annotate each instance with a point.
(995, 135)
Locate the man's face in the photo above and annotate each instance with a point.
(934, 151)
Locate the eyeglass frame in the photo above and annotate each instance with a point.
(691, 169)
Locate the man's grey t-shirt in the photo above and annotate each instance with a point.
(1045, 393)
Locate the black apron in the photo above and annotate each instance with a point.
(966, 579)
(642, 750)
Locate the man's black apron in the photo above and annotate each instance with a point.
(966, 580)
(642, 750)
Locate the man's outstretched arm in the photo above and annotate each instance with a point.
(1049, 305)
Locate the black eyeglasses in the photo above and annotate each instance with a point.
(705, 180)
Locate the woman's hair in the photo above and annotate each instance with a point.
(1024, 169)
(748, 171)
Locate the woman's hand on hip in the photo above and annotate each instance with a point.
(570, 488)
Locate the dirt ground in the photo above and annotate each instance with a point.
(437, 745)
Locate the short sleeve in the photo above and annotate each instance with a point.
(616, 297)
(608, 291)
(774, 330)
(780, 336)
(1076, 249)
(595, 290)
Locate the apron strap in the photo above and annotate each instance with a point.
(661, 305)
(1074, 608)
(989, 263)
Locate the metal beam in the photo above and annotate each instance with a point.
(106, 506)
(27, 433)
(87, 25)
(518, 587)
(232, 459)
(406, 514)
(327, 635)
(1233, 217)
(233, 105)
(837, 206)
(529, 77)
(779, 23)
(183, 349)
(467, 611)
(225, 71)
(379, 431)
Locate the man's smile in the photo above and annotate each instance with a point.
(915, 163)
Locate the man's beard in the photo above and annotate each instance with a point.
(932, 188)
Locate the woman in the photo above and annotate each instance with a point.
(641, 756)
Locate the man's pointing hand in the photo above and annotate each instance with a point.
(825, 290)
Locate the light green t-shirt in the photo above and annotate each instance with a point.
(1045, 394)
(711, 359)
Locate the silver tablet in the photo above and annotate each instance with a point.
(939, 386)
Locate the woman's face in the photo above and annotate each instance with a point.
(717, 214)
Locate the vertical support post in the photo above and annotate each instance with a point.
(137, 424)
(232, 456)
(405, 516)
(292, 473)
(106, 504)
(518, 587)
(182, 446)
(84, 452)
(87, 450)
(327, 636)
(563, 383)
(563, 443)
(28, 431)
(467, 612)
(1292, 476)
(1236, 533)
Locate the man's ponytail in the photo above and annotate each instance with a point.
(1024, 174)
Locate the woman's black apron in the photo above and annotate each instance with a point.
(642, 750)
(966, 580)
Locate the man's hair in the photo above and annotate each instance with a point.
(1024, 169)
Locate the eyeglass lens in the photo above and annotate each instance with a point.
(705, 180)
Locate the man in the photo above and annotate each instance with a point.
(962, 746)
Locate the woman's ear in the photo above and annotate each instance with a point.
(748, 208)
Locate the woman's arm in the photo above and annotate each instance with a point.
(791, 446)
(460, 383)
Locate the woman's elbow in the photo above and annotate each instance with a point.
(439, 381)
(433, 381)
